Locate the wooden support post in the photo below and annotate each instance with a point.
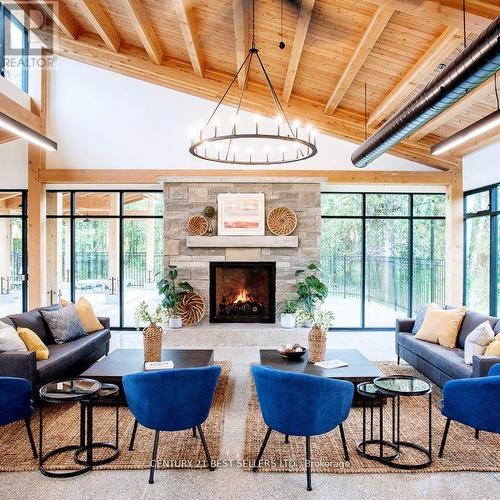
(36, 230)
(37, 195)
(454, 239)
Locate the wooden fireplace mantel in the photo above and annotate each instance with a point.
(242, 241)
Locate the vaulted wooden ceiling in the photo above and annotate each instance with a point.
(333, 47)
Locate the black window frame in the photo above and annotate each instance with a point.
(121, 217)
(411, 217)
(24, 230)
(5, 14)
(493, 212)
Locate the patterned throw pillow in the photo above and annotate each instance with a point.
(64, 324)
(477, 341)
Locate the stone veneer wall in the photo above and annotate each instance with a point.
(185, 197)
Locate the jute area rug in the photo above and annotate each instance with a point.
(61, 426)
(462, 453)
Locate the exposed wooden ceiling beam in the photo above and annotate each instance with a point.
(437, 12)
(306, 9)
(20, 114)
(178, 75)
(6, 136)
(144, 29)
(101, 24)
(147, 176)
(373, 31)
(184, 11)
(60, 15)
(441, 48)
(240, 20)
(460, 106)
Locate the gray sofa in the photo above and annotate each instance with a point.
(65, 360)
(439, 363)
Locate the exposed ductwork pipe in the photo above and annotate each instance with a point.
(473, 66)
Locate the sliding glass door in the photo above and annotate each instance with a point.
(107, 247)
(12, 252)
(382, 255)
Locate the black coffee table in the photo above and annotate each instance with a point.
(120, 362)
(359, 369)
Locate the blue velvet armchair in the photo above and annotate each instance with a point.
(171, 400)
(474, 402)
(16, 404)
(301, 405)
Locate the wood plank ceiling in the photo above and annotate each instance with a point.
(333, 47)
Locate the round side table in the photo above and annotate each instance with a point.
(107, 391)
(60, 392)
(374, 399)
(396, 386)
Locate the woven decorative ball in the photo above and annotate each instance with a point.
(197, 225)
(282, 221)
(192, 308)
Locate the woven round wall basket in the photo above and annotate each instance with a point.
(197, 225)
(282, 221)
(191, 309)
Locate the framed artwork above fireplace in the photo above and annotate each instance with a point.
(241, 214)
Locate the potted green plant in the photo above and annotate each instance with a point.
(173, 293)
(310, 290)
(321, 319)
(287, 309)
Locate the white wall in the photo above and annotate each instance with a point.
(482, 168)
(101, 119)
(14, 165)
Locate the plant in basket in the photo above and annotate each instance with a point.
(153, 332)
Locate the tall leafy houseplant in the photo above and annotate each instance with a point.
(310, 289)
(173, 293)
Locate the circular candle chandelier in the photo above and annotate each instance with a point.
(261, 143)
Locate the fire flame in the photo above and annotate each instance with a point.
(242, 296)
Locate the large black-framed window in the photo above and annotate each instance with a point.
(482, 250)
(13, 251)
(14, 49)
(106, 246)
(382, 255)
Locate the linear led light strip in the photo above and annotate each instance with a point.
(480, 127)
(8, 123)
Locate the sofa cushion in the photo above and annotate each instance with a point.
(64, 324)
(9, 339)
(450, 361)
(63, 356)
(472, 320)
(496, 329)
(441, 326)
(33, 320)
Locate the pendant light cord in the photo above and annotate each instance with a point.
(253, 23)
(496, 92)
(464, 12)
(366, 121)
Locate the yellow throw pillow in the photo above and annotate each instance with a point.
(33, 343)
(86, 314)
(441, 326)
(493, 347)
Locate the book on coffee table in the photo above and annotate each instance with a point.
(332, 363)
(158, 365)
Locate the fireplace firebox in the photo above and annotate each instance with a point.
(242, 292)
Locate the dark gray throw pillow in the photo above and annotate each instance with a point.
(419, 319)
(64, 324)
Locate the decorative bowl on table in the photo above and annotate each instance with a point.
(289, 351)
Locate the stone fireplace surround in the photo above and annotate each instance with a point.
(185, 196)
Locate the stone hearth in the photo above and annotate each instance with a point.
(188, 196)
